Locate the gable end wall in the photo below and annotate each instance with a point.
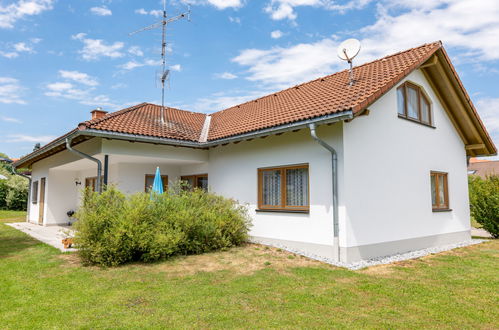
(387, 174)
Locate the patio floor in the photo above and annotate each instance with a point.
(52, 235)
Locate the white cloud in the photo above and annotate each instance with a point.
(281, 67)
(30, 138)
(285, 9)
(10, 119)
(276, 34)
(79, 77)
(224, 4)
(119, 85)
(20, 9)
(488, 108)
(135, 50)
(469, 29)
(130, 65)
(225, 75)
(218, 4)
(60, 86)
(236, 20)
(80, 87)
(64, 90)
(9, 54)
(22, 47)
(94, 49)
(154, 12)
(101, 11)
(176, 67)
(11, 91)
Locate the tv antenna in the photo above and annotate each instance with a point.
(165, 74)
(347, 51)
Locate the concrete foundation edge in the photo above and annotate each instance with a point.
(365, 252)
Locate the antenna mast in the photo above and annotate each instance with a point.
(164, 72)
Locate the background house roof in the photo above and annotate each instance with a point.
(484, 168)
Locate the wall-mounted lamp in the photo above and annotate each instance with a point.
(77, 182)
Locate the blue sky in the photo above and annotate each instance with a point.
(59, 59)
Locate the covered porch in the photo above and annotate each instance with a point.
(128, 166)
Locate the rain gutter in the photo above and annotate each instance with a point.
(98, 185)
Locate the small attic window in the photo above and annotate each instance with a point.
(413, 104)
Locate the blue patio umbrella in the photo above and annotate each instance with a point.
(157, 186)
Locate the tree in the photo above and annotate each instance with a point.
(484, 202)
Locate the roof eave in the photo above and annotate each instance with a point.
(328, 119)
(467, 122)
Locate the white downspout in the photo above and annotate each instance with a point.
(334, 158)
(98, 185)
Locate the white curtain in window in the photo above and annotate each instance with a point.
(433, 191)
(412, 102)
(297, 187)
(271, 187)
(400, 100)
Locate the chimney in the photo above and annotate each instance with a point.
(98, 113)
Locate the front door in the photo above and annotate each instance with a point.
(41, 205)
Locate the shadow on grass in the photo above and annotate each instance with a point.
(12, 241)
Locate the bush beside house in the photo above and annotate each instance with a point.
(113, 229)
(13, 190)
(484, 202)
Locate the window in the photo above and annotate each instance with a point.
(34, 193)
(91, 182)
(413, 104)
(283, 188)
(439, 191)
(149, 181)
(196, 181)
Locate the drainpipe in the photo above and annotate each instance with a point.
(98, 185)
(334, 158)
(29, 190)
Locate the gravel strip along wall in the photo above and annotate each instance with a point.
(387, 259)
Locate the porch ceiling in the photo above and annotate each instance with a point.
(83, 164)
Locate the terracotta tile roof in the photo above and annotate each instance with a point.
(322, 96)
(319, 97)
(144, 119)
(316, 98)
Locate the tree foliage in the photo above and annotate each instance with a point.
(484, 202)
(13, 190)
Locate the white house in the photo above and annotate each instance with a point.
(346, 172)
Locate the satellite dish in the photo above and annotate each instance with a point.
(348, 49)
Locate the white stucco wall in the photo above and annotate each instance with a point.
(233, 173)
(128, 165)
(387, 173)
(60, 190)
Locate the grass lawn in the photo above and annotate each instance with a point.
(245, 287)
(12, 216)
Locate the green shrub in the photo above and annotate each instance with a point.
(484, 202)
(113, 229)
(13, 191)
(4, 189)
